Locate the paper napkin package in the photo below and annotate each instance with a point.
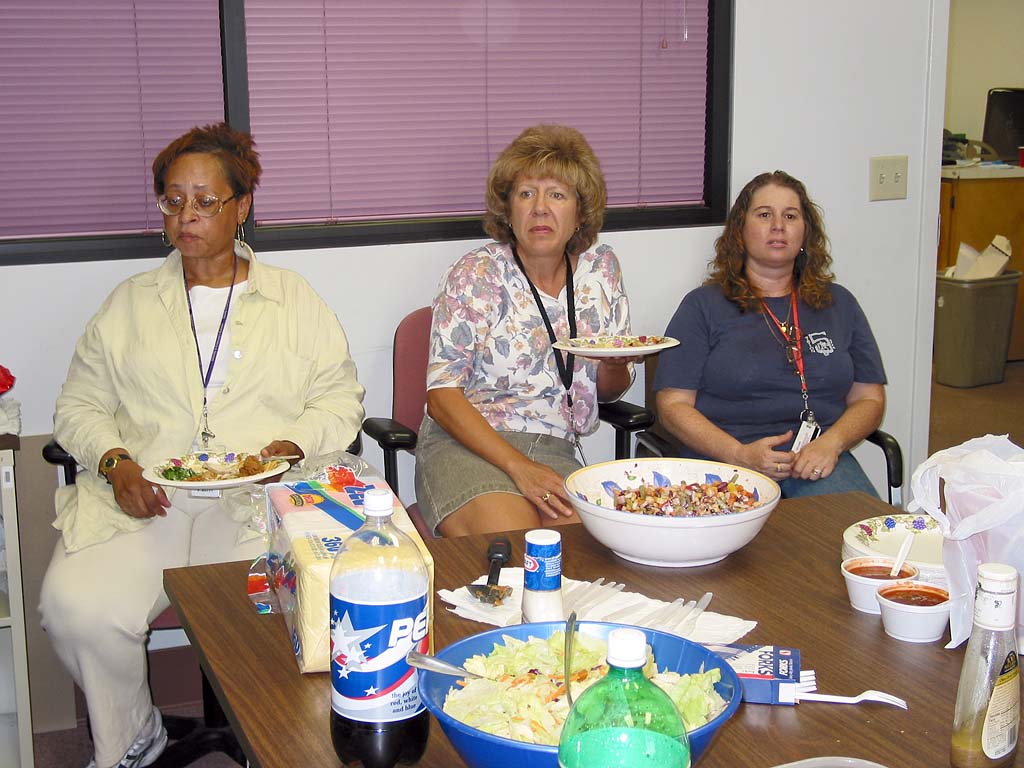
(307, 522)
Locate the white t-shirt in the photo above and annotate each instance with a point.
(207, 311)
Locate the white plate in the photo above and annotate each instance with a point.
(614, 346)
(214, 459)
(882, 536)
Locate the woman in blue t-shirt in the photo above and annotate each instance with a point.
(777, 369)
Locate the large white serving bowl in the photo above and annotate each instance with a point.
(667, 541)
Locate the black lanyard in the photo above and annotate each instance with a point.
(565, 367)
(205, 426)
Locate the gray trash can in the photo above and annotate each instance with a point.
(973, 320)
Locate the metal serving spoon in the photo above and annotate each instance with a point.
(570, 630)
(434, 664)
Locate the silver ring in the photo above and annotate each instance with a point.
(816, 472)
(546, 496)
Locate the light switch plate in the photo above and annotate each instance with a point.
(888, 178)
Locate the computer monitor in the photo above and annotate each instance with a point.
(1004, 122)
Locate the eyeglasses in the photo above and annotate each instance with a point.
(204, 205)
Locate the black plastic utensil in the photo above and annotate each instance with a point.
(498, 553)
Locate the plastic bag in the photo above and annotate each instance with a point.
(980, 511)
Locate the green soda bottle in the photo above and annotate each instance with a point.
(624, 720)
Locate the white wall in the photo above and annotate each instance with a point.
(984, 52)
(818, 89)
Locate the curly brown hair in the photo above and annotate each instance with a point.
(234, 150)
(811, 272)
(548, 151)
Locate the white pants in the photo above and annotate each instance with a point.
(97, 604)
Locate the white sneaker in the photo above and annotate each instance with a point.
(147, 747)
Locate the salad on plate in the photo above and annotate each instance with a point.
(521, 694)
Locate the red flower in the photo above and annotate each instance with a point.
(6, 379)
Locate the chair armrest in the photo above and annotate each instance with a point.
(893, 456)
(390, 434)
(623, 415)
(652, 444)
(54, 454)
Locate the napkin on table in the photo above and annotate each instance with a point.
(709, 628)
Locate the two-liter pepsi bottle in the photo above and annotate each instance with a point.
(378, 592)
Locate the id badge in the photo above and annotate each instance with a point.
(204, 493)
(807, 432)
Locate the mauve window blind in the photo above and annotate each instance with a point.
(90, 91)
(395, 108)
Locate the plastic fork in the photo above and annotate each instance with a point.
(879, 696)
(690, 622)
(607, 592)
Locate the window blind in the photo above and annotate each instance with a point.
(90, 92)
(395, 109)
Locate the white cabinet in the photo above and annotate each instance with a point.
(15, 710)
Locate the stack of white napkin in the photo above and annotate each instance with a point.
(709, 628)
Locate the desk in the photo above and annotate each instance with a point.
(787, 579)
(977, 203)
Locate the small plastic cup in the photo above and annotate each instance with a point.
(862, 588)
(914, 622)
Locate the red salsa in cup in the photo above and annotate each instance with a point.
(878, 571)
(917, 597)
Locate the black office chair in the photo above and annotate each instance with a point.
(656, 442)
(409, 397)
(191, 737)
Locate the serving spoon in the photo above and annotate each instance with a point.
(434, 664)
(570, 630)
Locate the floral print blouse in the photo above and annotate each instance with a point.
(488, 337)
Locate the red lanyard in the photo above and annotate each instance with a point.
(793, 343)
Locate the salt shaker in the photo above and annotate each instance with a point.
(542, 576)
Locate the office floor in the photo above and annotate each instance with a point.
(956, 415)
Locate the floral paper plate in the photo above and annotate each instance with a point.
(211, 470)
(882, 536)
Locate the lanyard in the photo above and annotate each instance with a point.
(793, 344)
(205, 432)
(565, 367)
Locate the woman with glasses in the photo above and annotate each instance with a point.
(777, 368)
(210, 350)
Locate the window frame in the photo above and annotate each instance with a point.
(350, 234)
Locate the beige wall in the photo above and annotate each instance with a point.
(986, 40)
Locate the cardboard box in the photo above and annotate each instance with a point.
(769, 674)
(307, 523)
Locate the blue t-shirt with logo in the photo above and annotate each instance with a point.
(737, 363)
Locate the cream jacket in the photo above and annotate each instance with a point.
(134, 382)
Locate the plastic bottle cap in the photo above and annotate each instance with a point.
(627, 648)
(997, 574)
(378, 502)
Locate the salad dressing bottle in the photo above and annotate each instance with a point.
(624, 720)
(987, 711)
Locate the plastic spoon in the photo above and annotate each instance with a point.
(570, 630)
(434, 664)
(901, 556)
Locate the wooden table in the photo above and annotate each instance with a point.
(787, 580)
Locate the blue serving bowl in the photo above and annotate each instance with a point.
(482, 750)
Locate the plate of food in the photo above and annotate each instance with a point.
(882, 536)
(615, 346)
(209, 470)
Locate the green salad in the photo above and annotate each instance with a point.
(522, 692)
